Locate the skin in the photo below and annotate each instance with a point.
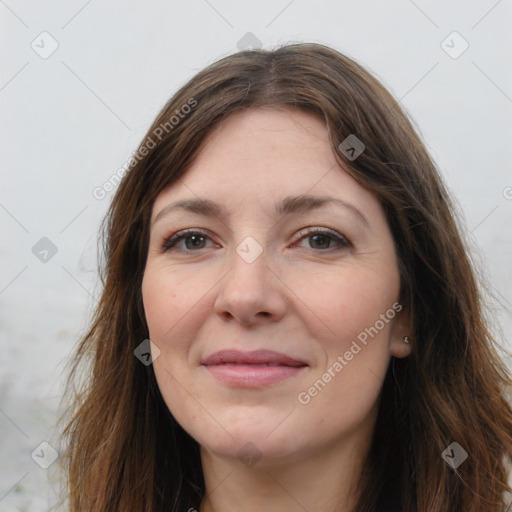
(305, 295)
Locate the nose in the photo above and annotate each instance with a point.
(250, 292)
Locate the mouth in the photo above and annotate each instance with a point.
(252, 369)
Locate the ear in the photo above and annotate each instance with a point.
(402, 327)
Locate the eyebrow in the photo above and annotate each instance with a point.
(290, 204)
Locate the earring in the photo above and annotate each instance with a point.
(406, 340)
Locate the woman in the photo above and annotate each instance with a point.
(317, 341)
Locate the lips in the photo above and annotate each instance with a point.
(256, 357)
(252, 369)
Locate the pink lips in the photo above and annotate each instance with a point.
(252, 369)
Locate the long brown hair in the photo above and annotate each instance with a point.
(124, 451)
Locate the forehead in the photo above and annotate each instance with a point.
(262, 155)
(264, 135)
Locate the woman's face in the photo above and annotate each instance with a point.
(277, 312)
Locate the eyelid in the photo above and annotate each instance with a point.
(340, 240)
(170, 242)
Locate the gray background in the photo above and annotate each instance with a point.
(71, 119)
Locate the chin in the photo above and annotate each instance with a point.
(260, 451)
(258, 442)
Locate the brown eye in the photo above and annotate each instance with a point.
(324, 239)
(193, 240)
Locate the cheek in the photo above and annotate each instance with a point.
(177, 305)
(349, 329)
(168, 302)
(341, 305)
(174, 310)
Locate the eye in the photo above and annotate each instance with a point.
(192, 238)
(324, 239)
(320, 239)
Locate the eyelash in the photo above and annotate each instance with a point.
(343, 243)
